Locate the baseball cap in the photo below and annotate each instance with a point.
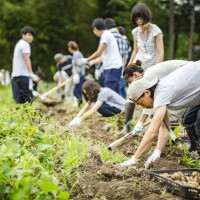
(137, 87)
(58, 57)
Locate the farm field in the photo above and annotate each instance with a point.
(43, 158)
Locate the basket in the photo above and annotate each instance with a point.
(174, 187)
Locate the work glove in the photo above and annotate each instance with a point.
(138, 127)
(33, 76)
(131, 162)
(154, 156)
(75, 122)
(36, 94)
(81, 61)
(172, 135)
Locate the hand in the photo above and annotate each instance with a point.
(36, 94)
(81, 61)
(88, 64)
(30, 86)
(75, 122)
(138, 127)
(33, 76)
(172, 135)
(154, 156)
(131, 162)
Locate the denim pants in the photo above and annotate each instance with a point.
(111, 78)
(78, 89)
(122, 88)
(192, 121)
(108, 111)
(20, 89)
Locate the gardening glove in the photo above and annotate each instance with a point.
(138, 127)
(36, 94)
(33, 76)
(75, 122)
(131, 162)
(89, 64)
(154, 156)
(172, 135)
(81, 61)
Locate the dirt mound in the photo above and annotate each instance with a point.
(99, 180)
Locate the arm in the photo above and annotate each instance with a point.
(27, 61)
(98, 53)
(135, 50)
(94, 108)
(96, 60)
(84, 109)
(152, 132)
(59, 77)
(160, 47)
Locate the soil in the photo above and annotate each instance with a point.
(105, 181)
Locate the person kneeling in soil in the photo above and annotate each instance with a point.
(104, 100)
(180, 89)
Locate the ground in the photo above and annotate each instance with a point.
(104, 180)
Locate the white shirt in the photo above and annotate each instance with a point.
(111, 56)
(19, 67)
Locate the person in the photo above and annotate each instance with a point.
(22, 73)
(148, 38)
(180, 89)
(64, 72)
(101, 99)
(123, 50)
(108, 53)
(78, 70)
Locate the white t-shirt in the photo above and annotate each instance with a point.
(147, 46)
(19, 66)
(111, 56)
(180, 89)
(112, 98)
(163, 69)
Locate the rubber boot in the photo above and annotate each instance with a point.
(193, 139)
(129, 110)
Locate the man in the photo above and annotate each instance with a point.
(22, 67)
(123, 50)
(108, 53)
(178, 90)
(64, 72)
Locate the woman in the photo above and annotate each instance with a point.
(104, 100)
(78, 70)
(148, 38)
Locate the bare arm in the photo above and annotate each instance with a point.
(135, 50)
(27, 61)
(152, 132)
(94, 108)
(160, 47)
(84, 109)
(97, 60)
(98, 52)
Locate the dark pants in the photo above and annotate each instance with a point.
(20, 89)
(108, 111)
(122, 88)
(192, 123)
(78, 88)
(111, 78)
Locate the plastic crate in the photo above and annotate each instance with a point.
(174, 187)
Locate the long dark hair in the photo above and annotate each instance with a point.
(90, 90)
(130, 69)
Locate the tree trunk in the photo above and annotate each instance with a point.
(171, 30)
(192, 21)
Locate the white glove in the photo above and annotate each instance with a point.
(138, 127)
(131, 162)
(30, 84)
(172, 135)
(36, 94)
(75, 122)
(33, 76)
(81, 61)
(154, 156)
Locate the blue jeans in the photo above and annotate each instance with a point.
(122, 88)
(111, 78)
(108, 111)
(20, 89)
(78, 89)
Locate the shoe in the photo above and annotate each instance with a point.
(128, 163)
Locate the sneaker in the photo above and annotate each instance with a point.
(128, 163)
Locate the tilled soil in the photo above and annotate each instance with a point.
(106, 181)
